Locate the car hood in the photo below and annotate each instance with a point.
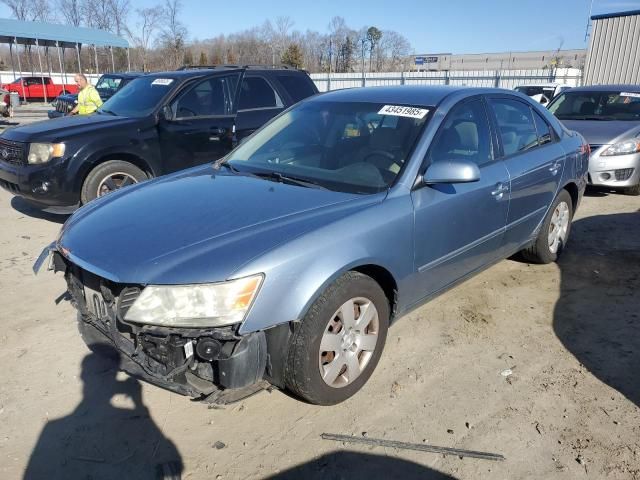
(63, 127)
(603, 132)
(197, 226)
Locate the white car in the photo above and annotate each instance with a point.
(544, 92)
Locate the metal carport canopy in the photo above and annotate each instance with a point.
(51, 35)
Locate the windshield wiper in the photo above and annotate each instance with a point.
(279, 177)
(109, 112)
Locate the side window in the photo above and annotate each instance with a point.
(544, 133)
(256, 92)
(515, 124)
(207, 98)
(465, 135)
(298, 86)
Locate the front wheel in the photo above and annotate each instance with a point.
(336, 347)
(554, 233)
(109, 177)
(635, 190)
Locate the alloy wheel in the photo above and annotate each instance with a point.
(558, 227)
(115, 181)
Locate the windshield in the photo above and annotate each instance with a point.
(108, 84)
(138, 98)
(342, 146)
(602, 105)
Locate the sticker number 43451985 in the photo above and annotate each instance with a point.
(400, 111)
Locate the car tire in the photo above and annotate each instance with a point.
(557, 223)
(635, 190)
(347, 368)
(110, 176)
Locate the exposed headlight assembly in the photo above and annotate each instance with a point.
(44, 152)
(622, 148)
(196, 306)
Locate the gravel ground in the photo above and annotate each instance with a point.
(569, 333)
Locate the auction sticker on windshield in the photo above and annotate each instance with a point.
(162, 81)
(400, 111)
(630, 94)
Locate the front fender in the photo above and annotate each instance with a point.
(297, 272)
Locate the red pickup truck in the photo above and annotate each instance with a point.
(33, 88)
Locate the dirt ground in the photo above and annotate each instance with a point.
(569, 333)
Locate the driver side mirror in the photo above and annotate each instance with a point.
(166, 113)
(451, 171)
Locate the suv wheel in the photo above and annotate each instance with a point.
(108, 177)
(336, 347)
(554, 233)
(635, 190)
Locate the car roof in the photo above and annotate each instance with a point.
(421, 95)
(124, 74)
(543, 85)
(607, 88)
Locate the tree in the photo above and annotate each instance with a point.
(188, 57)
(373, 36)
(203, 59)
(71, 11)
(293, 56)
(174, 34)
(148, 25)
(29, 10)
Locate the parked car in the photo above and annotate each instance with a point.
(155, 125)
(288, 259)
(543, 93)
(608, 116)
(34, 89)
(107, 85)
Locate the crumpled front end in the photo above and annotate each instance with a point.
(213, 364)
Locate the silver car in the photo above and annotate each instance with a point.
(608, 116)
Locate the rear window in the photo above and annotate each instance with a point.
(256, 92)
(298, 86)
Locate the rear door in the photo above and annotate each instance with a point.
(459, 227)
(202, 127)
(532, 153)
(258, 102)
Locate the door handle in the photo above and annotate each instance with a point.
(500, 190)
(555, 168)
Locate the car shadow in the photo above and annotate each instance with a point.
(597, 317)
(355, 465)
(101, 440)
(22, 206)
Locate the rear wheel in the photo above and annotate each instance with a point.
(109, 177)
(554, 232)
(336, 347)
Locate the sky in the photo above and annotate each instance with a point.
(431, 26)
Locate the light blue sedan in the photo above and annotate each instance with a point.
(285, 262)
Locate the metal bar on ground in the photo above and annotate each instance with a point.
(44, 87)
(413, 446)
(60, 63)
(13, 67)
(95, 52)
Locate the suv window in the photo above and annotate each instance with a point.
(298, 86)
(515, 123)
(465, 135)
(544, 133)
(257, 93)
(207, 98)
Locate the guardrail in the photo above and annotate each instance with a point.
(477, 78)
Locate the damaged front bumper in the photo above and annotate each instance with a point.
(212, 364)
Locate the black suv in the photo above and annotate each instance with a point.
(107, 86)
(157, 124)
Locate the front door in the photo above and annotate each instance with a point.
(202, 127)
(459, 227)
(535, 160)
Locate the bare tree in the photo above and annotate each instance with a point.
(30, 10)
(71, 11)
(150, 20)
(120, 11)
(174, 34)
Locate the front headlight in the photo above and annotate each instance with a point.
(622, 148)
(198, 306)
(43, 152)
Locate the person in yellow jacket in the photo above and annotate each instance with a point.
(88, 97)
